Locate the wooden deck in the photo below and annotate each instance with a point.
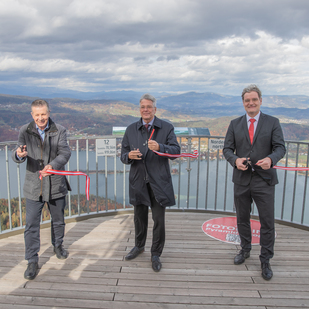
(198, 271)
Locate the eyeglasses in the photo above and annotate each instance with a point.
(146, 107)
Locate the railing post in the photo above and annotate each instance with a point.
(179, 174)
(87, 168)
(8, 186)
(198, 172)
(284, 182)
(69, 194)
(217, 177)
(115, 179)
(97, 177)
(77, 168)
(124, 187)
(189, 171)
(225, 184)
(106, 201)
(305, 189)
(207, 176)
(19, 195)
(295, 181)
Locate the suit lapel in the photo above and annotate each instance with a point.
(245, 128)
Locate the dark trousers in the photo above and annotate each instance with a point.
(263, 196)
(141, 225)
(32, 229)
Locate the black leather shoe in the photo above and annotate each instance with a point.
(241, 256)
(31, 271)
(156, 264)
(134, 253)
(267, 273)
(61, 253)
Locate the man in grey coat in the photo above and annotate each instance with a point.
(150, 182)
(253, 145)
(43, 144)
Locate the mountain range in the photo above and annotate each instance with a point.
(99, 112)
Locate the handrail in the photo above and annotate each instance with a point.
(202, 184)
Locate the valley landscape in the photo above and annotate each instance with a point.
(97, 116)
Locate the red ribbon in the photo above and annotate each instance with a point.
(181, 155)
(151, 134)
(288, 168)
(68, 173)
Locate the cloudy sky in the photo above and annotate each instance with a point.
(155, 45)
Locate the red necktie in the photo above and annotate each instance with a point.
(251, 129)
(146, 127)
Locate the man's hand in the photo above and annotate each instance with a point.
(240, 164)
(153, 145)
(21, 151)
(135, 155)
(43, 171)
(265, 163)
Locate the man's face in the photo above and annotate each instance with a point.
(252, 103)
(147, 110)
(40, 115)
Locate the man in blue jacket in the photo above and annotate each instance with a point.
(150, 182)
(43, 144)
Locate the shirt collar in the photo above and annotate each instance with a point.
(47, 126)
(257, 117)
(150, 123)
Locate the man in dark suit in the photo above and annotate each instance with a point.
(150, 181)
(253, 145)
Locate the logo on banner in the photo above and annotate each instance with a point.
(225, 229)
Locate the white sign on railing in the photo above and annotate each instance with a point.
(106, 147)
(216, 144)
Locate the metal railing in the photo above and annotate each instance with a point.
(199, 184)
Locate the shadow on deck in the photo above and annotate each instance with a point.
(198, 271)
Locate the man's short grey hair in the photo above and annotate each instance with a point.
(149, 97)
(40, 103)
(251, 88)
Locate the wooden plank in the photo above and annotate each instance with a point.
(212, 300)
(198, 271)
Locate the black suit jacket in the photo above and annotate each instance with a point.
(268, 142)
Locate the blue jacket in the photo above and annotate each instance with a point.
(152, 168)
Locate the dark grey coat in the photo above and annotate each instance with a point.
(152, 166)
(54, 151)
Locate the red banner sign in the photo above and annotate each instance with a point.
(225, 229)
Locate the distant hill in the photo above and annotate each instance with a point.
(98, 116)
(216, 105)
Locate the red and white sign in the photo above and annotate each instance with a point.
(225, 229)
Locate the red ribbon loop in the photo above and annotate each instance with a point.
(288, 168)
(181, 155)
(69, 173)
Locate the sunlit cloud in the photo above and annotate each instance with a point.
(168, 45)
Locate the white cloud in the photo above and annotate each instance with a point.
(170, 45)
(16, 8)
